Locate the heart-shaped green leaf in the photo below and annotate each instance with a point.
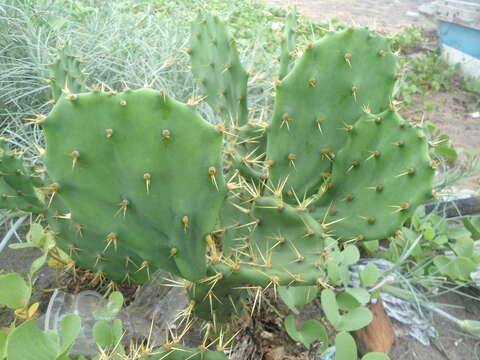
(370, 275)
(355, 319)
(347, 302)
(70, 327)
(360, 294)
(350, 255)
(346, 348)
(297, 296)
(458, 268)
(28, 342)
(15, 292)
(310, 331)
(105, 335)
(463, 246)
(330, 306)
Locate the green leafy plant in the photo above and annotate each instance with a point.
(445, 250)
(443, 148)
(423, 74)
(297, 296)
(472, 84)
(346, 349)
(309, 332)
(356, 316)
(28, 342)
(408, 38)
(108, 330)
(15, 290)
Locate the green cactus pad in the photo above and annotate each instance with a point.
(66, 74)
(284, 247)
(284, 243)
(82, 245)
(234, 223)
(137, 171)
(180, 352)
(333, 83)
(378, 179)
(245, 150)
(18, 183)
(288, 44)
(217, 298)
(217, 68)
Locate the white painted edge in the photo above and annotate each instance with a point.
(468, 64)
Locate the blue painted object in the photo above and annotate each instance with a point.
(462, 38)
(329, 354)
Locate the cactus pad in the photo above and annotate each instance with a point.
(18, 183)
(288, 44)
(333, 83)
(136, 169)
(378, 179)
(216, 66)
(66, 74)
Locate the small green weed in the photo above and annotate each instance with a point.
(423, 74)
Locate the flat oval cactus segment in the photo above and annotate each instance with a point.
(244, 151)
(337, 79)
(284, 247)
(66, 73)
(216, 66)
(287, 241)
(149, 167)
(18, 183)
(85, 248)
(288, 44)
(378, 179)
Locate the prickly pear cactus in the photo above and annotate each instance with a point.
(66, 74)
(335, 81)
(217, 68)
(338, 165)
(148, 166)
(139, 181)
(18, 183)
(382, 173)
